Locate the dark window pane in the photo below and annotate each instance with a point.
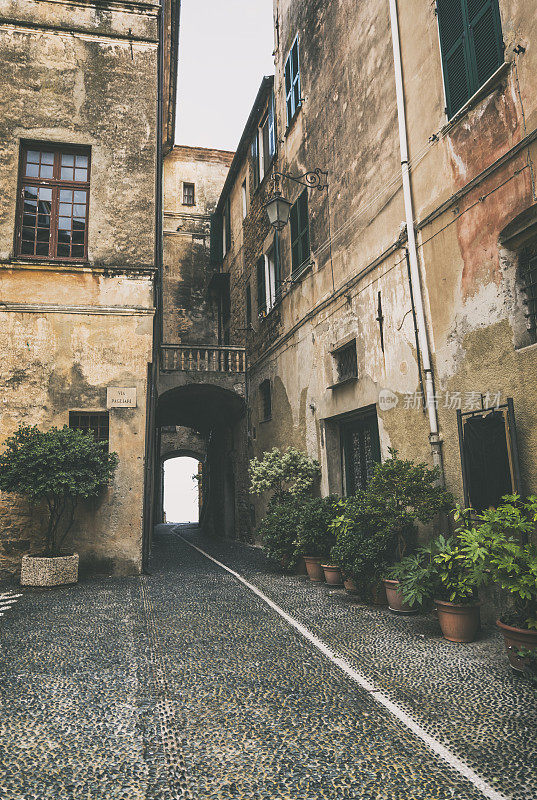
(63, 250)
(29, 220)
(78, 251)
(78, 237)
(28, 234)
(27, 247)
(41, 249)
(43, 234)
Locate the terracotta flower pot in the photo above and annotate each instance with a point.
(350, 586)
(315, 571)
(49, 570)
(332, 575)
(301, 567)
(515, 639)
(396, 601)
(459, 623)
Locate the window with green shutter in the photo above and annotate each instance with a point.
(261, 290)
(300, 232)
(293, 99)
(472, 47)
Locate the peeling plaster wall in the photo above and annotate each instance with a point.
(81, 75)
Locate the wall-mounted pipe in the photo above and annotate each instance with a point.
(430, 403)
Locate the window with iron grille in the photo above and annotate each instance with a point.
(188, 194)
(96, 422)
(472, 47)
(346, 362)
(53, 202)
(266, 400)
(528, 280)
(300, 232)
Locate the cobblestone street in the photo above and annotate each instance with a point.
(186, 684)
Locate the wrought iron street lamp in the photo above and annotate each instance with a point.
(278, 207)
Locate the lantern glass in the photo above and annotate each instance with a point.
(278, 209)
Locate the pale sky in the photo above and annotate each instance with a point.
(225, 49)
(180, 490)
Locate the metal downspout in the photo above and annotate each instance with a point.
(430, 404)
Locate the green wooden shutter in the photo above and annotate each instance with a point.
(261, 290)
(452, 27)
(471, 44)
(216, 252)
(486, 44)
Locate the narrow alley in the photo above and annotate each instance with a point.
(187, 684)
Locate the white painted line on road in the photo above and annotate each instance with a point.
(446, 755)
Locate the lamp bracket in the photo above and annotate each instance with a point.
(314, 179)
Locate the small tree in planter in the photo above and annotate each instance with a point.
(364, 542)
(315, 536)
(499, 541)
(289, 478)
(58, 467)
(411, 494)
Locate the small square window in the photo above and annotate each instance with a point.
(188, 194)
(346, 362)
(96, 422)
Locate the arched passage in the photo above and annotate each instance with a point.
(207, 422)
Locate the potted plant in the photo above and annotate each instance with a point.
(58, 468)
(315, 538)
(411, 493)
(443, 570)
(278, 532)
(501, 541)
(288, 478)
(363, 541)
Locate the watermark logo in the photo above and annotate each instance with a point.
(387, 400)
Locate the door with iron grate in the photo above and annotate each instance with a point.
(361, 451)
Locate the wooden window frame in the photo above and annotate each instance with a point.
(186, 189)
(292, 82)
(56, 184)
(75, 418)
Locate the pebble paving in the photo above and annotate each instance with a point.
(184, 684)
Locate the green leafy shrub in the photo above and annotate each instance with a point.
(60, 467)
(364, 540)
(410, 493)
(289, 473)
(278, 531)
(442, 570)
(499, 541)
(315, 535)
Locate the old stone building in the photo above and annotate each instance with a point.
(201, 409)
(401, 295)
(87, 109)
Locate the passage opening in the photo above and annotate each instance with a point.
(181, 489)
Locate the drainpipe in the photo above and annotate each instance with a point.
(430, 405)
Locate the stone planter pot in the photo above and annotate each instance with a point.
(459, 623)
(515, 639)
(49, 570)
(332, 575)
(396, 602)
(315, 571)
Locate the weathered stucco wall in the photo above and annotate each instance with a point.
(81, 75)
(467, 188)
(188, 317)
